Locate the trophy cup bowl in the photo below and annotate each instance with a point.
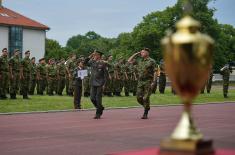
(188, 59)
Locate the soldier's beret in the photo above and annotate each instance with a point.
(27, 52)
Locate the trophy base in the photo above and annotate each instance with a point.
(186, 147)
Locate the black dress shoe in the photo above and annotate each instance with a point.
(97, 117)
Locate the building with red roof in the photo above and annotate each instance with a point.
(20, 32)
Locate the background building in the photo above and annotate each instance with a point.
(20, 32)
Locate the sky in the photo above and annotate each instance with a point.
(108, 18)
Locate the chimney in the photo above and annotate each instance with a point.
(0, 3)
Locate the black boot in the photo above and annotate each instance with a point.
(98, 114)
(145, 115)
(134, 93)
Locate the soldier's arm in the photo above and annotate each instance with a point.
(133, 56)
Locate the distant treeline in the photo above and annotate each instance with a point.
(149, 33)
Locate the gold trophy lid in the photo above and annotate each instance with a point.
(187, 22)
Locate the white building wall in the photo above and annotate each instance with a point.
(4, 33)
(34, 40)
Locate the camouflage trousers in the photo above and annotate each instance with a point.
(143, 93)
(126, 85)
(25, 84)
(14, 83)
(32, 85)
(61, 85)
(4, 83)
(118, 85)
(42, 83)
(52, 85)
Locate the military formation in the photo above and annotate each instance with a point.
(23, 76)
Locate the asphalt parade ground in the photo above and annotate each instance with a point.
(68, 133)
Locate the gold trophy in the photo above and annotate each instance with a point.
(188, 59)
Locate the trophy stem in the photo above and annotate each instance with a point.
(186, 130)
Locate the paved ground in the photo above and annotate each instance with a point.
(69, 133)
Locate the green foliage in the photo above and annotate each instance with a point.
(54, 50)
(149, 32)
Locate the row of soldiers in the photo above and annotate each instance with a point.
(24, 75)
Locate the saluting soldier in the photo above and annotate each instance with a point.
(25, 66)
(162, 78)
(118, 81)
(99, 75)
(41, 76)
(225, 72)
(126, 77)
(33, 76)
(14, 69)
(61, 76)
(51, 77)
(4, 73)
(146, 72)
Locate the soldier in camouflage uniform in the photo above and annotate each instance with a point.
(162, 78)
(61, 74)
(51, 77)
(70, 67)
(41, 76)
(146, 72)
(4, 73)
(133, 76)
(33, 75)
(118, 81)
(14, 69)
(126, 77)
(25, 66)
(109, 84)
(225, 72)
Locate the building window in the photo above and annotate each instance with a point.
(15, 39)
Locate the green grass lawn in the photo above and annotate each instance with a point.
(44, 103)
